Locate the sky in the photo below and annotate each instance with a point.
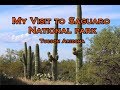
(14, 36)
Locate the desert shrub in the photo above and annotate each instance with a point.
(103, 66)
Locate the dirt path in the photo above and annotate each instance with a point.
(22, 81)
(46, 82)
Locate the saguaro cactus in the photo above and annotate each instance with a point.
(78, 52)
(29, 63)
(24, 59)
(53, 58)
(37, 57)
(27, 58)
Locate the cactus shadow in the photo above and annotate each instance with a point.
(11, 81)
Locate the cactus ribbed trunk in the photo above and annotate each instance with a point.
(79, 57)
(25, 60)
(53, 58)
(25, 71)
(25, 65)
(29, 63)
(54, 62)
(37, 57)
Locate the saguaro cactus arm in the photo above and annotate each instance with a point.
(75, 51)
(56, 57)
(21, 59)
(50, 57)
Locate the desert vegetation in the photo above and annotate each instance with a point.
(102, 66)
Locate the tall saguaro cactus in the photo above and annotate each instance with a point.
(37, 57)
(53, 58)
(24, 59)
(54, 62)
(78, 51)
(29, 62)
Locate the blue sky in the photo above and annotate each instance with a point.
(13, 36)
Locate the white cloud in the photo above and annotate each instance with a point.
(12, 38)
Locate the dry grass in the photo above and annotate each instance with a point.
(45, 82)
